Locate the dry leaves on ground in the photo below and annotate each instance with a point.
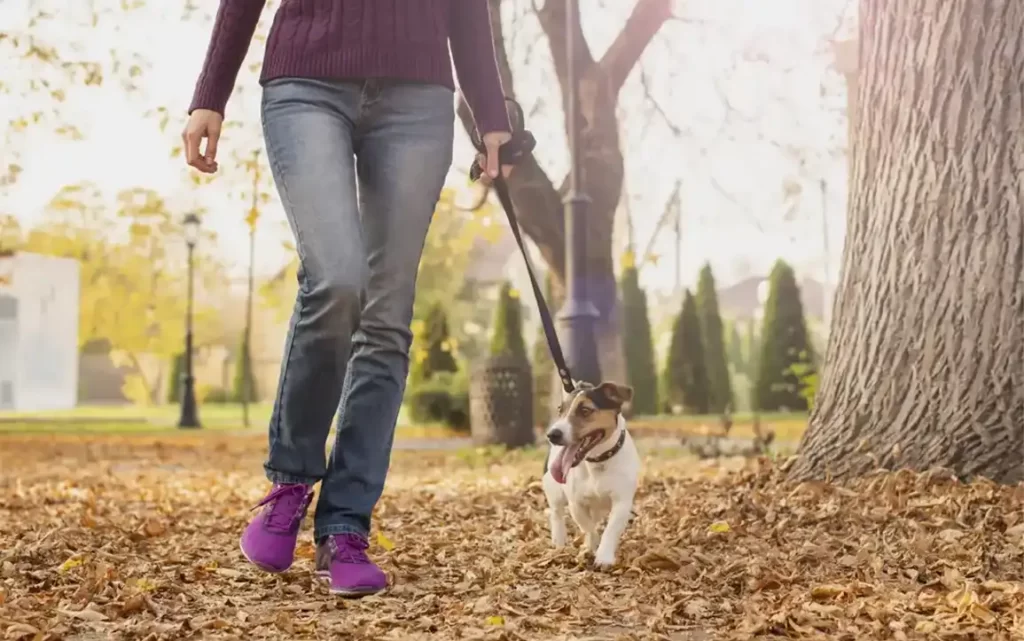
(136, 538)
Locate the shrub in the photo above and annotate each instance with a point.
(638, 344)
(174, 381)
(444, 399)
(686, 379)
(712, 336)
(784, 345)
(434, 350)
(507, 336)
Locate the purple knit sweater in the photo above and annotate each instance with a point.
(355, 39)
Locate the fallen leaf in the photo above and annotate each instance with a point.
(719, 527)
(385, 542)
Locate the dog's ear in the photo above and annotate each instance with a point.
(615, 393)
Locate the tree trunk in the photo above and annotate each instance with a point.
(925, 364)
(538, 202)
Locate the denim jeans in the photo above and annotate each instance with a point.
(359, 167)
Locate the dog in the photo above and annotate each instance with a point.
(592, 468)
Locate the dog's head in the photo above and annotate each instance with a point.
(586, 417)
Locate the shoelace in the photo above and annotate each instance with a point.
(350, 549)
(279, 516)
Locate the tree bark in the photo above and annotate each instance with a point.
(925, 364)
(538, 202)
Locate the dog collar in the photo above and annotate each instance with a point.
(601, 458)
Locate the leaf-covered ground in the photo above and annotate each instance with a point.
(136, 538)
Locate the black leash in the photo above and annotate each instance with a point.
(511, 153)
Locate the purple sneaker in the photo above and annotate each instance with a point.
(269, 540)
(342, 559)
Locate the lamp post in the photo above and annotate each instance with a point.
(189, 411)
(578, 315)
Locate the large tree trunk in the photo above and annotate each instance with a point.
(538, 201)
(925, 365)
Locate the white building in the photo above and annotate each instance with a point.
(39, 307)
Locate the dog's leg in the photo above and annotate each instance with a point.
(618, 519)
(591, 533)
(585, 521)
(557, 504)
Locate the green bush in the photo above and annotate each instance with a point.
(734, 349)
(436, 342)
(216, 396)
(174, 381)
(507, 336)
(638, 345)
(444, 399)
(784, 345)
(713, 337)
(686, 378)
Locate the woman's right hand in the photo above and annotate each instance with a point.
(203, 123)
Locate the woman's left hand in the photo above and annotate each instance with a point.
(490, 161)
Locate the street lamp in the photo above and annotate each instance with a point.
(578, 315)
(189, 411)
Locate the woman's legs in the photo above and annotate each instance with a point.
(309, 128)
(404, 150)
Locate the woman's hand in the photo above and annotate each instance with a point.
(490, 161)
(203, 123)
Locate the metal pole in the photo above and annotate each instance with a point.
(579, 315)
(189, 411)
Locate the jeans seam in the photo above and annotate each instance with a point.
(320, 532)
(275, 167)
(284, 478)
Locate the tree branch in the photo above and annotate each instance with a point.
(642, 25)
(554, 20)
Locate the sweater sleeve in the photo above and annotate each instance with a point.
(476, 66)
(232, 32)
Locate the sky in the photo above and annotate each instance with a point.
(765, 58)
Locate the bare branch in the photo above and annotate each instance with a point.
(554, 19)
(642, 25)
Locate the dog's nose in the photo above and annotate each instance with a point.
(556, 437)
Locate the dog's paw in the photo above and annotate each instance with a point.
(604, 561)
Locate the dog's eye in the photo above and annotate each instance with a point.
(584, 411)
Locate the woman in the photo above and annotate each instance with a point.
(358, 119)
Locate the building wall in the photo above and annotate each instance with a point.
(46, 352)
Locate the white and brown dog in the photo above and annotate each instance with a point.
(592, 468)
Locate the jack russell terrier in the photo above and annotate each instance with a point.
(592, 468)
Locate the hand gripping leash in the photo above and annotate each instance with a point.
(511, 153)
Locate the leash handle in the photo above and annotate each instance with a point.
(512, 152)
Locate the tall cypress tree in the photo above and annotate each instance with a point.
(734, 348)
(638, 345)
(783, 344)
(686, 378)
(440, 357)
(507, 339)
(751, 350)
(720, 387)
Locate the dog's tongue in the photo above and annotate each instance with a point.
(563, 462)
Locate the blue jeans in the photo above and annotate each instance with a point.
(359, 167)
